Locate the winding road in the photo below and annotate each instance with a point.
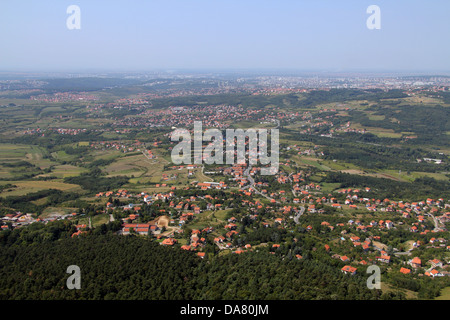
(302, 210)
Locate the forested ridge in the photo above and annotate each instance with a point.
(130, 267)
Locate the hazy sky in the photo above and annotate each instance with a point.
(137, 35)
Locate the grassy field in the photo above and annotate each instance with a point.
(339, 165)
(63, 156)
(63, 171)
(445, 294)
(387, 288)
(420, 99)
(385, 134)
(408, 245)
(199, 176)
(375, 117)
(328, 187)
(145, 171)
(24, 187)
(36, 157)
(380, 132)
(310, 161)
(415, 174)
(128, 166)
(14, 151)
(95, 220)
(5, 173)
(209, 218)
(106, 154)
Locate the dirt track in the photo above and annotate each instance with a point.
(162, 221)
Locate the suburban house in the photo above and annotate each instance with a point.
(435, 263)
(434, 273)
(384, 258)
(140, 228)
(349, 270)
(405, 270)
(416, 262)
(169, 242)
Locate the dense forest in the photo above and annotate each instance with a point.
(33, 265)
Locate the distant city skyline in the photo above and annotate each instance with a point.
(309, 36)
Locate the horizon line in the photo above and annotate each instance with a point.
(274, 71)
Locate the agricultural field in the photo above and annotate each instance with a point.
(25, 187)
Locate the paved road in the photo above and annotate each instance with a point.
(278, 123)
(436, 223)
(249, 178)
(302, 210)
(408, 253)
(252, 184)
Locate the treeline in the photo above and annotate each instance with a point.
(340, 95)
(426, 287)
(372, 152)
(93, 181)
(25, 203)
(7, 186)
(36, 233)
(86, 84)
(100, 163)
(430, 123)
(374, 156)
(22, 170)
(17, 164)
(53, 139)
(421, 188)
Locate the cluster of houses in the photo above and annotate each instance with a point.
(436, 268)
(16, 220)
(65, 97)
(123, 146)
(81, 229)
(412, 215)
(212, 116)
(139, 228)
(63, 131)
(19, 219)
(212, 185)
